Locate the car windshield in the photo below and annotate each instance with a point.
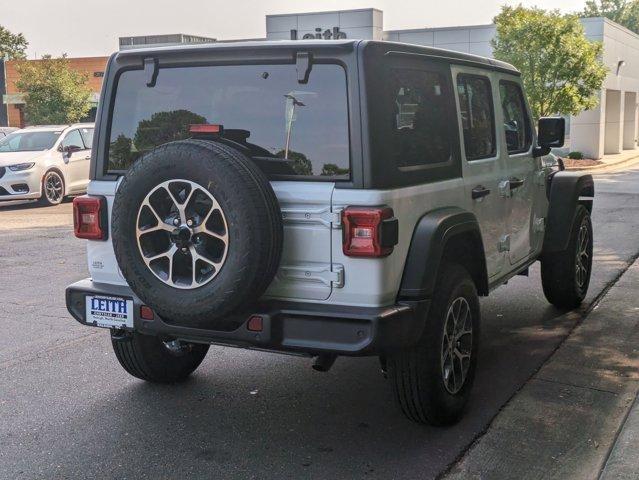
(28, 141)
(289, 128)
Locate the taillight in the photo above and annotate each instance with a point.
(369, 231)
(90, 217)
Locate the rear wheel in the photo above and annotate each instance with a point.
(154, 360)
(52, 189)
(432, 380)
(565, 275)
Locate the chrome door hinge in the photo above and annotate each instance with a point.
(315, 273)
(539, 225)
(504, 244)
(318, 215)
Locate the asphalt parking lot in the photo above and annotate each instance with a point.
(68, 410)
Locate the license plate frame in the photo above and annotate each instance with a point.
(109, 311)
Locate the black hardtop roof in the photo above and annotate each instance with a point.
(343, 45)
(448, 55)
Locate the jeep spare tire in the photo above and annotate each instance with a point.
(197, 232)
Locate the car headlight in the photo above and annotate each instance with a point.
(21, 166)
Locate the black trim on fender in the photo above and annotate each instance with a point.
(433, 231)
(566, 190)
(293, 327)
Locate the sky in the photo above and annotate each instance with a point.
(83, 28)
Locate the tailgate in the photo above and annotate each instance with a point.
(306, 270)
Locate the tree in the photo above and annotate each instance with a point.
(13, 46)
(623, 12)
(164, 127)
(299, 162)
(332, 170)
(53, 92)
(121, 153)
(561, 69)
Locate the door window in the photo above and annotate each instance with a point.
(516, 121)
(421, 134)
(73, 142)
(477, 116)
(87, 137)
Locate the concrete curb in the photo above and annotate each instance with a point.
(566, 420)
(623, 462)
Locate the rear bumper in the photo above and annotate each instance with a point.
(287, 326)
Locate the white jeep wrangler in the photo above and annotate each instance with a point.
(323, 199)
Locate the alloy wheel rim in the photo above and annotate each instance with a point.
(53, 187)
(457, 342)
(583, 255)
(182, 234)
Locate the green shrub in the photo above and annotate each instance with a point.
(576, 156)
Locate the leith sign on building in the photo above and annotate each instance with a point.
(362, 24)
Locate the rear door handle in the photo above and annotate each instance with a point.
(515, 183)
(479, 192)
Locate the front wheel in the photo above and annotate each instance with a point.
(52, 189)
(432, 380)
(565, 275)
(155, 360)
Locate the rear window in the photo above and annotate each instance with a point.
(290, 129)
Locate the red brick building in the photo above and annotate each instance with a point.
(13, 99)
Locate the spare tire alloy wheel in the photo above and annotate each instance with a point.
(197, 232)
(182, 234)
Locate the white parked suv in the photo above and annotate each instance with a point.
(46, 163)
(321, 198)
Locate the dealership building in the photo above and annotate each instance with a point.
(609, 128)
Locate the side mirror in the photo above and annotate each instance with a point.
(551, 133)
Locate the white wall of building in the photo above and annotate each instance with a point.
(474, 39)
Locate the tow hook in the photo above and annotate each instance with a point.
(120, 335)
(324, 362)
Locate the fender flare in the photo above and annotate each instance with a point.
(430, 236)
(565, 191)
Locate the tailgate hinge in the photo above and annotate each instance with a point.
(316, 215)
(316, 273)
